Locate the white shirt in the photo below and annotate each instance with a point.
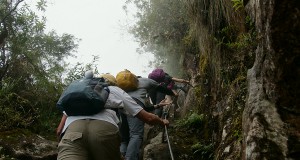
(117, 99)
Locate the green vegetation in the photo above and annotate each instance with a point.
(192, 121)
(203, 152)
(237, 4)
(31, 68)
(221, 38)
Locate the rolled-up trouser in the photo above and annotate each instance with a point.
(90, 140)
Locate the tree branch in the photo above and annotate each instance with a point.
(13, 9)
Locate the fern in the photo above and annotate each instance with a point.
(237, 4)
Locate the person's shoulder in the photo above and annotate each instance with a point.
(115, 89)
(143, 79)
(147, 80)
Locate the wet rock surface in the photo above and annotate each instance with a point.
(24, 145)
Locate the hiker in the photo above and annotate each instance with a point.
(109, 79)
(96, 137)
(168, 81)
(132, 128)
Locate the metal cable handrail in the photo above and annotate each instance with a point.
(166, 129)
(167, 136)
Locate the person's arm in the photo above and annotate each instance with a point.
(151, 119)
(153, 107)
(61, 125)
(136, 110)
(180, 80)
(161, 104)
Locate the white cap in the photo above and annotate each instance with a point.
(89, 74)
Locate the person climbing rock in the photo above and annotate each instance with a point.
(96, 136)
(132, 128)
(167, 81)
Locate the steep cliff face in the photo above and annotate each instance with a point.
(271, 116)
(247, 77)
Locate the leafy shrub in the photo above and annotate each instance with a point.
(16, 112)
(204, 152)
(193, 121)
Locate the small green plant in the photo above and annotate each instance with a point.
(238, 134)
(193, 121)
(237, 4)
(204, 152)
(229, 34)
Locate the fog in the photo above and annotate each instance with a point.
(102, 27)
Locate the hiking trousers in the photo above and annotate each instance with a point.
(90, 139)
(136, 132)
(132, 132)
(131, 149)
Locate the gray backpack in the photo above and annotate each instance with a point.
(85, 96)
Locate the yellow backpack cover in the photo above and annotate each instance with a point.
(127, 80)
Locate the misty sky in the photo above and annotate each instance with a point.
(100, 24)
